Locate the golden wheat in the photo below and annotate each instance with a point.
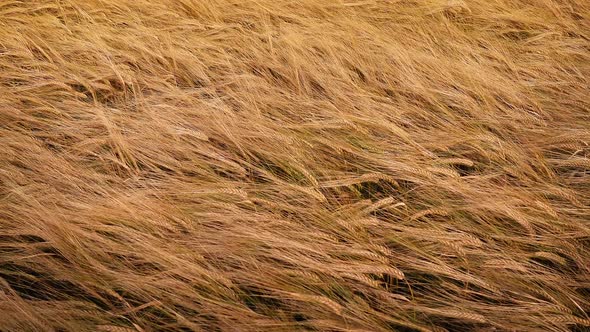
(314, 165)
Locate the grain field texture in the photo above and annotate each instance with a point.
(312, 165)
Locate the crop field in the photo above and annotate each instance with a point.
(279, 165)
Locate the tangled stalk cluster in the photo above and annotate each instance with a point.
(313, 165)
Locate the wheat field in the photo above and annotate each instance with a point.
(312, 165)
